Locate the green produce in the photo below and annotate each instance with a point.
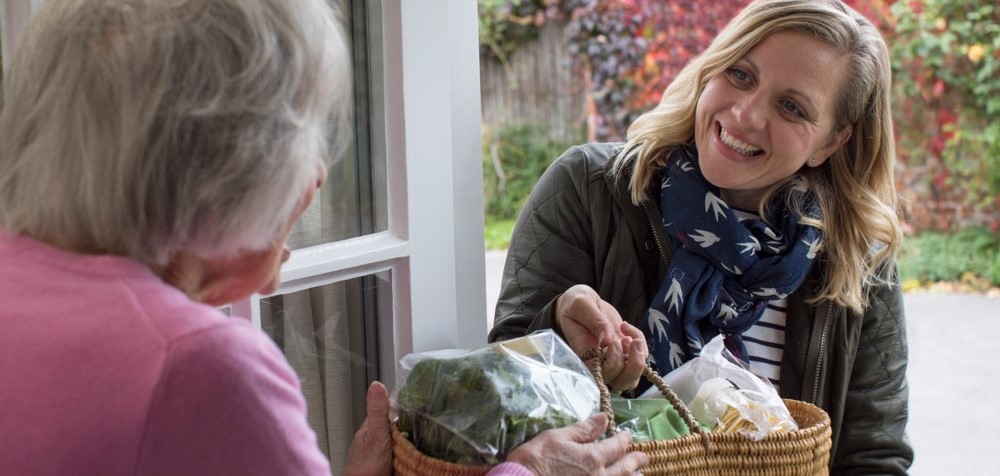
(649, 419)
(474, 407)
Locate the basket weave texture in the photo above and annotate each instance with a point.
(407, 460)
(805, 451)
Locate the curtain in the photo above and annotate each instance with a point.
(314, 326)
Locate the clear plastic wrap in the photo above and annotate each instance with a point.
(473, 406)
(649, 419)
(725, 395)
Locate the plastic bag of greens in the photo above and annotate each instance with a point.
(473, 406)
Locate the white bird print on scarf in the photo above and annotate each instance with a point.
(675, 295)
(752, 246)
(814, 246)
(705, 238)
(735, 271)
(726, 313)
(716, 205)
(676, 355)
(659, 323)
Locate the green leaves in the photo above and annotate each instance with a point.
(514, 157)
(475, 407)
(946, 60)
(931, 257)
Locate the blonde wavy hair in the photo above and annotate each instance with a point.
(855, 188)
(143, 127)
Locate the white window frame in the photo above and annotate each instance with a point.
(426, 130)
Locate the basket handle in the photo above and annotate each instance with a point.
(594, 359)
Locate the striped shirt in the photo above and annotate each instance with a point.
(765, 342)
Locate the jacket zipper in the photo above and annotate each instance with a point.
(656, 237)
(822, 351)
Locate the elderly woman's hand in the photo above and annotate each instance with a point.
(573, 451)
(370, 453)
(586, 322)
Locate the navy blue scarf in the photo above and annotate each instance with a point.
(724, 270)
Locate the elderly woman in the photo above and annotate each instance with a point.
(153, 157)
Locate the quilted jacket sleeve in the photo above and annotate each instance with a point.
(551, 248)
(872, 439)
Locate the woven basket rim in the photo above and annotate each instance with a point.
(403, 449)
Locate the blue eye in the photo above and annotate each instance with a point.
(738, 76)
(792, 108)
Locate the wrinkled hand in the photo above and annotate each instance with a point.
(572, 451)
(371, 450)
(589, 322)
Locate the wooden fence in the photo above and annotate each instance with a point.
(537, 86)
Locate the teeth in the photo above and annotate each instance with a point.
(736, 144)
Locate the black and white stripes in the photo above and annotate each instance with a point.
(765, 342)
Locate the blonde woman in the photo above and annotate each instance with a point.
(755, 201)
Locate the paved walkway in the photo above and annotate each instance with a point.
(954, 376)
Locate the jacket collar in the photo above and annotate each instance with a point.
(642, 220)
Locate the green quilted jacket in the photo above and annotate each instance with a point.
(580, 227)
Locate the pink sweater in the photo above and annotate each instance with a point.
(106, 370)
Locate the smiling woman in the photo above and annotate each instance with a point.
(757, 201)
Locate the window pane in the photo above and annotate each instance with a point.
(330, 336)
(347, 205)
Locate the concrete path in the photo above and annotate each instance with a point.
(954, 377)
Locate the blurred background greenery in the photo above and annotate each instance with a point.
(555, 73)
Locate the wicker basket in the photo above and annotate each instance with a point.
(805, 451)
(407, 460)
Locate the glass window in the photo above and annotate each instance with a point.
(329, 332)
(347, 205)
(330, 336)
(374, 275)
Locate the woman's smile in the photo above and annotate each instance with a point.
(736, 144)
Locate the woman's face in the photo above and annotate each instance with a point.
(280, 252)
(762, 119)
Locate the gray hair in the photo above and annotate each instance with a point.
(143, 127)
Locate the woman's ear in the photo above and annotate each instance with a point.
(837, 139)
(184, 271)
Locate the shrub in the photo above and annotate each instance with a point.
(946, 70)
(514, 157)
(968, 256)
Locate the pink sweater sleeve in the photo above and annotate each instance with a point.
(228, 403)
(509, 469)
